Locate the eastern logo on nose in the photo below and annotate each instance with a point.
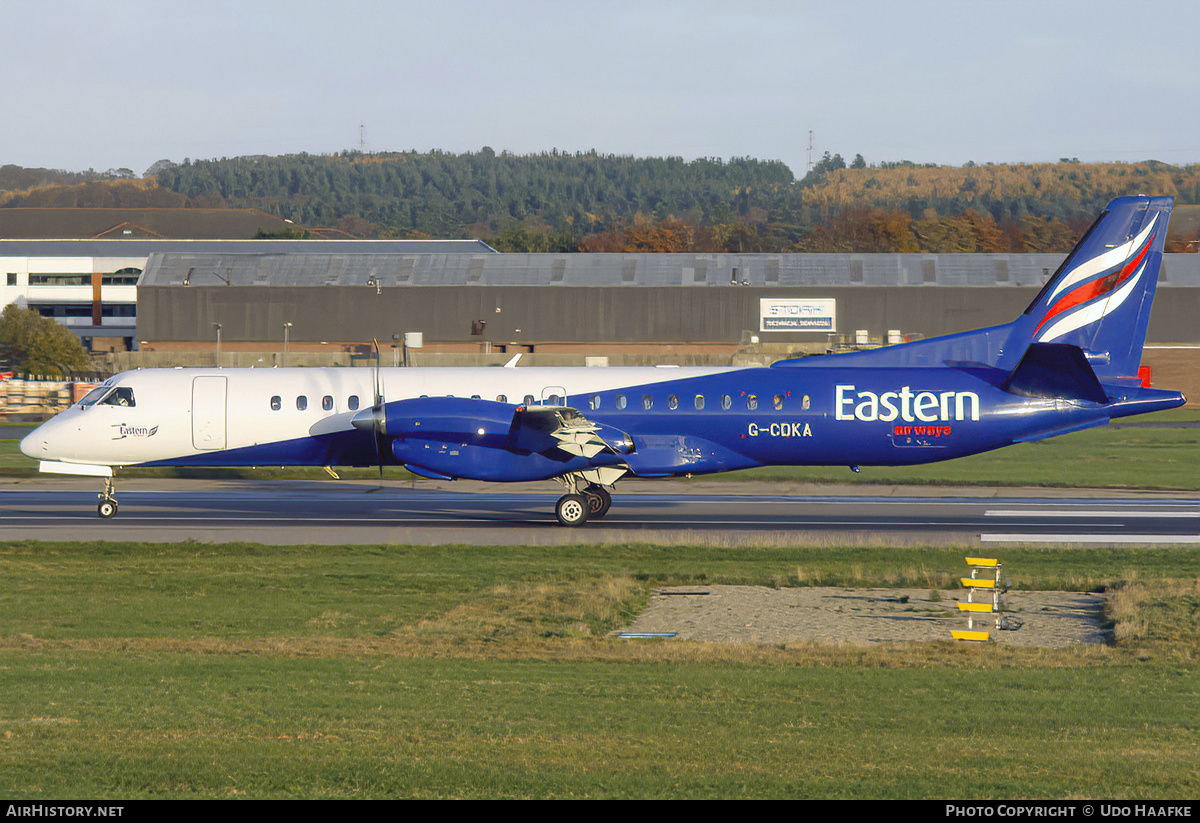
(124, 431)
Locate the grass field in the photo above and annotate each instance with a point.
(197, 670)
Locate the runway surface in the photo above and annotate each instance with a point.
(292, 512)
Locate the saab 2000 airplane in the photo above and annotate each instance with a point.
(1068, 363)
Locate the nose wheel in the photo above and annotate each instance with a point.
(108, 504)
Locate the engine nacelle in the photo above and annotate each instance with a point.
(450, 419)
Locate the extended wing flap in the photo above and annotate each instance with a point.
(539, 429)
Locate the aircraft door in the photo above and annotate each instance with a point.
(208, 412)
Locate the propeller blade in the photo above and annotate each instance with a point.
(377, 414)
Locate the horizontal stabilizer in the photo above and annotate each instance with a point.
(1055, 370)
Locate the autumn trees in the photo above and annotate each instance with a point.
(37, 345)
(587, 201)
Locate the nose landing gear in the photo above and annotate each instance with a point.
(108, 503)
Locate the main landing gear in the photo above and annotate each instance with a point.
(585, 501)
(108, 503)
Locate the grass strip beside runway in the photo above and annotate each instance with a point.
(242, 670)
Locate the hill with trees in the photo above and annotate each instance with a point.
(588, 201)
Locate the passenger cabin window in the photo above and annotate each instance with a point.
(594, 402)
(647, 402)
(751, 402)
(352, 403)
(529, 400)
(276, 403)
(726, 402)
(700, 402)
(120, 396)
(778, 402)
(672, 402)
(327, 403)
(620, 401)
(500, 398)
(301, 403)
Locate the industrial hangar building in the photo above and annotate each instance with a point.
(90, 285)
(587, 304)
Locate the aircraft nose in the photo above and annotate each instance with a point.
(34, 444)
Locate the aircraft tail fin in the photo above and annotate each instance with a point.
(1099, 300)
(1101, 295)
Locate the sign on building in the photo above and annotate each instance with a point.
(777, 314)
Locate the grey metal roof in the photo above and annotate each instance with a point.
(390, 270)
(145, 248)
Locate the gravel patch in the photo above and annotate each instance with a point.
(757, 614)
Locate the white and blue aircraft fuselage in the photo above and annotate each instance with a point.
(1068, 363)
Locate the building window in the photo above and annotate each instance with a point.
(121, 277)
(59, 279)
(12, 278)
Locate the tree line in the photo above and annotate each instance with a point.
(587, 201)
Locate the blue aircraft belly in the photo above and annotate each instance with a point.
(349, 448)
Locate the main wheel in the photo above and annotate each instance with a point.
(571, 510)
(107, 509)
(599, 501)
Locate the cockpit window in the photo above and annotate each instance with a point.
(94, 395)
(108, 396)
(121, 396)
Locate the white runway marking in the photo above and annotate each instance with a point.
(1089, 538)
(1084, 513)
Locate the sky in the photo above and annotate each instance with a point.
(109, 85)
